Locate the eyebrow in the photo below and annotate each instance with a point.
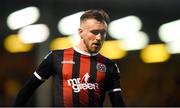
(97, 31)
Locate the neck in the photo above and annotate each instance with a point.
(81, 48)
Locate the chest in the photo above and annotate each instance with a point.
(83, 69)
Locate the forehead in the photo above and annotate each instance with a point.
(93, 24)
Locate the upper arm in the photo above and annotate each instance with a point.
(114, 79)
(45, 69)
(43, 72)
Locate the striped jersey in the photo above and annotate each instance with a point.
(79, 79)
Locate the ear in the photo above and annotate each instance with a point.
(80, 31)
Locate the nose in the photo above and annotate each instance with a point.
(99, 36)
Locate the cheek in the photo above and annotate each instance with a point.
(90, 37)
(88, 40)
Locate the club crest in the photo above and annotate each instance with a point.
(101, 67)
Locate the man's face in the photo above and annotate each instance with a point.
(93, 33)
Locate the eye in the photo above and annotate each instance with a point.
(96, 32)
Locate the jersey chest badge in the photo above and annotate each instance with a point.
(101, 67)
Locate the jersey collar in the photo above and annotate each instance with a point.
(84, 53)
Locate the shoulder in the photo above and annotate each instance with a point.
(110, 63)
(105, 59)
(59, 51)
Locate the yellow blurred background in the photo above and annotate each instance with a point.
(143, 38)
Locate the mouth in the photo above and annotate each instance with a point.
(96, 44)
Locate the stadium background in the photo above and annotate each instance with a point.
(143, 84)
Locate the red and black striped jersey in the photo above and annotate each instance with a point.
(79, 79)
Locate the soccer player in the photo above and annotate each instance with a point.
(81, 75)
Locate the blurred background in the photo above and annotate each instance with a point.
(143, 38)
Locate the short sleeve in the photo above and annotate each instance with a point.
(114, 78)
(45, 70)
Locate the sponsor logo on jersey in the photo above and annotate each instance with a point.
(79, 84)
(68, 62)
(101, 67)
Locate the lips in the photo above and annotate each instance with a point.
(96, 44)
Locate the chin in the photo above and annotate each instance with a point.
(94, 51)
